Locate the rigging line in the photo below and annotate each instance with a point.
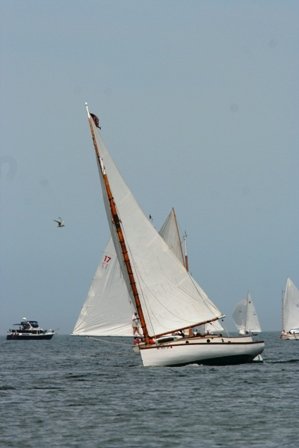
(99, 339)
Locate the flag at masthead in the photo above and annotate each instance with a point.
(96, 120)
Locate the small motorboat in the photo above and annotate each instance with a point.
(29, 329)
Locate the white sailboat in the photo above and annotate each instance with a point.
(245, 317)
(290, 312)
(165, 296)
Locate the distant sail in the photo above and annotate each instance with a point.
(245, 317)
(290, 311)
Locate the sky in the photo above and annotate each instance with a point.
(199, 106)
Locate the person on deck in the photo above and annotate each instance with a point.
(136, 324)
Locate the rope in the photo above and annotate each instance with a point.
(108, 342)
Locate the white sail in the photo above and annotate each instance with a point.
(245, 317)
(169, 298)
(171, 234)
(214, 327)
(210, 328)
(290, 315)
(108, 308)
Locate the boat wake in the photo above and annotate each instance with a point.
(286, 361)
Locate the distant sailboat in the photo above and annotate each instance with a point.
(290, 312)
(165, 296)
(245, 317)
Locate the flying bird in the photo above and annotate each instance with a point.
(60, 222)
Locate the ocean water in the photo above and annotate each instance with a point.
(77, 392)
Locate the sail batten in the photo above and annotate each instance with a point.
(168, 296)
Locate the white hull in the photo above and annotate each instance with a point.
(289, 336)
(202, 350)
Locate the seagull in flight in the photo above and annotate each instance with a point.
(60, 222)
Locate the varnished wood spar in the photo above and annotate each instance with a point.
(120, 235)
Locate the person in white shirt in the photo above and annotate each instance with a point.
(135, 324)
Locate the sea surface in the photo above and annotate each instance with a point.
(84, 392)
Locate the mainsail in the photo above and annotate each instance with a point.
(169, 298)
(245, 317)
(290, 304)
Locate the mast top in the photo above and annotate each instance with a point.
(87, 110)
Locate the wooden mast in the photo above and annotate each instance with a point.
(185, 252)
(117, 222)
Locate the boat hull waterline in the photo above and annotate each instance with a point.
(211, 350)
(29, 330)
(23, 337)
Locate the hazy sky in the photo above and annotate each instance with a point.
(199, 107)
